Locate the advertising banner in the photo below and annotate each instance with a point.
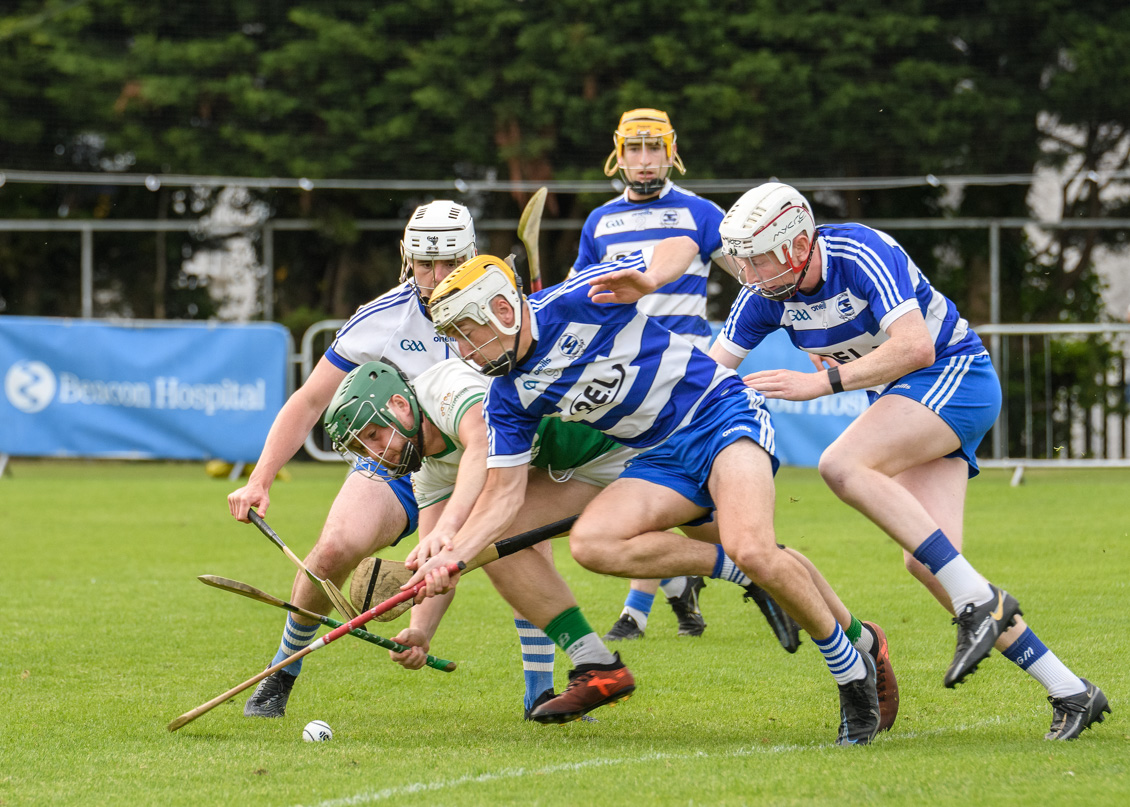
(139, 389)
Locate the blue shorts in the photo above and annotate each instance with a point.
(683, 461)
(964, 391)
(402, 488)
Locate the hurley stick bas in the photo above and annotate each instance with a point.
(327, 587)
(317, 644)
(529, 227)
(249, 591)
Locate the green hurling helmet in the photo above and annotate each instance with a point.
(363, 398)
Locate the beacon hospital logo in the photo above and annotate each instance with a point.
(30, 386)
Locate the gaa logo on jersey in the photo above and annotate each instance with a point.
(571, 345)
(844, 307)
(670, 218)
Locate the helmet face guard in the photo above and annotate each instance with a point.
(639, 128)
(438, 231)
(499, 366)
(757, 240)
(467, 294)
(362, 399)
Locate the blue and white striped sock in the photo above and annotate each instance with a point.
(844, 661)
(954, 572)
(1031, 655)
(295, 637)
(537, 659)
(726, 569)
(638, 605)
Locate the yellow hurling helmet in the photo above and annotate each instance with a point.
(643, 125)
(467, 293)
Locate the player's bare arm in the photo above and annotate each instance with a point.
(670, 259)
(469, 484)
(909, 348)
(501, 499)
(724, 357)
(294, 421)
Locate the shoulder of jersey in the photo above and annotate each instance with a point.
(702, 200)
(610, 203)
(394, 297)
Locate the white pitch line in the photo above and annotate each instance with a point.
(571, 767)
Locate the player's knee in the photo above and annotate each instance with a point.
(760, 563)
(835, 469)
(585, 546)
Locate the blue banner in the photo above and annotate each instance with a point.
(139, 390)
(803, 428)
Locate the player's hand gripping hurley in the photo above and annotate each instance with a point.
(317, 644)
(495, 551)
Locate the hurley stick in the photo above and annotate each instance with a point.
(245, 590)
(317, 644)
(381, 579)
(327, 587)
(508, 546)
(529, 227)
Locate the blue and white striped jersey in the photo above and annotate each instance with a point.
(621, 226)
(604, 364)
(392, 328)
(869, 282)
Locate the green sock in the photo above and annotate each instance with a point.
(567, 627)
(570, 631)
(854, 630)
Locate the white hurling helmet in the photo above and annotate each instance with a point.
(437, 231)
(765, 221)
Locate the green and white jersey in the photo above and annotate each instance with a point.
(450, 389)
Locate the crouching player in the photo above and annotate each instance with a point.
(705, 437)
(433, 428)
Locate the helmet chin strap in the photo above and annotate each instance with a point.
(499, 367)
(803, 272)
(415, 459)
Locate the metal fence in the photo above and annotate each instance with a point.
(1063, 405)
(1066, 396)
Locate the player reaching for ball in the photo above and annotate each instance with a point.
(371, 511)
(433, 428)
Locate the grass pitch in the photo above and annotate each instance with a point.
(108, 636)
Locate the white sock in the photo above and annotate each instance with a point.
(589, 649)
(636, 614)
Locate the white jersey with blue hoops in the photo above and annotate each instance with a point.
(868, 283)
(621, 226)
(392, 328)
(604, 364)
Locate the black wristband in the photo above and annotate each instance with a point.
(834, 379)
